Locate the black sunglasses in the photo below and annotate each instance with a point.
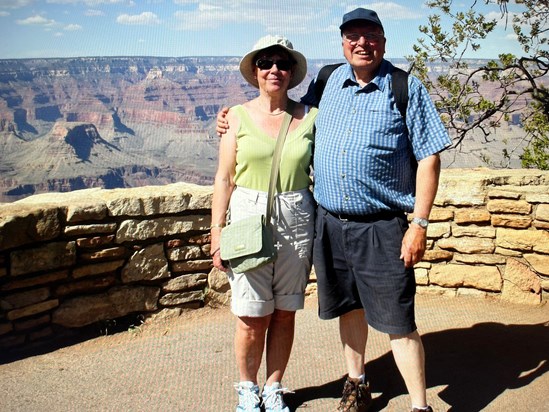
(266, 64)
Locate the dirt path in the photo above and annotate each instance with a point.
(481, 355)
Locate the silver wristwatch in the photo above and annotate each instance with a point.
(421, 222)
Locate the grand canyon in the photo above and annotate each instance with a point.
(74, 123)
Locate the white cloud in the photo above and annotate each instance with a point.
(90, 3)
(144, 19)
(93, 13)
(4, 13)
(273, 17)
(494, 15)
(503, 21)
(36, 20)
(14, 4)
(392, 11)
(303, 17)
(199, 20)
(506, 24)
(208, 7)
(72, 27)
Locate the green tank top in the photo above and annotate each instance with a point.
(255, 149)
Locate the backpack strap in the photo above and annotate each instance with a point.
(400, 90)
(322, 79)
(400, 93)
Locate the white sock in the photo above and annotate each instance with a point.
(361, 378)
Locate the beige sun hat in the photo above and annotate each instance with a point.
(299, 71)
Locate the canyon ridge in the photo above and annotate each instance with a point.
(114, 122)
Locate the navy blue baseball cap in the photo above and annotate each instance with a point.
(361, 14)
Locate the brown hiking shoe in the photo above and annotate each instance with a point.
(357, 396)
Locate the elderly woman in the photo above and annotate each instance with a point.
(265, 299)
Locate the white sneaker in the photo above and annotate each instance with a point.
(248, 397)
(272, 398)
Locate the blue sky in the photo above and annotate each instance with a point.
(70, 28)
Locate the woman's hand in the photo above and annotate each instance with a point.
(215, 248)
(217, 262)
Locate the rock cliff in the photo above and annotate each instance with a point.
(108, 122)
(111, 122)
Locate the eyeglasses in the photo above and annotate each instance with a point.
(266, 64)
(371, 38)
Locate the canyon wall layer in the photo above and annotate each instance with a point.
(115, 122)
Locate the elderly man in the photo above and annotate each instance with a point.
(372, 167)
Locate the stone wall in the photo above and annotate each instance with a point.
(489, 236)
(68, 260)
(75, 259)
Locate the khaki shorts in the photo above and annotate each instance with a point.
(281, 284)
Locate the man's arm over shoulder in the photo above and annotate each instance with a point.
(222, 124)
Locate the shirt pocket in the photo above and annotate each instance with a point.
(387, 134)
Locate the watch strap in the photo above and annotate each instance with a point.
(420, 221)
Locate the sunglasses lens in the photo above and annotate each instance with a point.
(284, 65)
(265, 64)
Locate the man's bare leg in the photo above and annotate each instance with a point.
(410, 359)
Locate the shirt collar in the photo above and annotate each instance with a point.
(380, 81)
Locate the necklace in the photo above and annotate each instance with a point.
(275, 114)
(270, 113)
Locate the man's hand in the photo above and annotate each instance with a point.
(222, 124)
(413, 245)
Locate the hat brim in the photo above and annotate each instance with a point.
(299, 71)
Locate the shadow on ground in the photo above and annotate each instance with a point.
(65, 337)
(476, 365)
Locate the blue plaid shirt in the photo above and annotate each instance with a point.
(363, 155)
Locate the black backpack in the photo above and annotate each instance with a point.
(400, 86)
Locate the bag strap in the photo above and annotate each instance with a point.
(277, 155)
